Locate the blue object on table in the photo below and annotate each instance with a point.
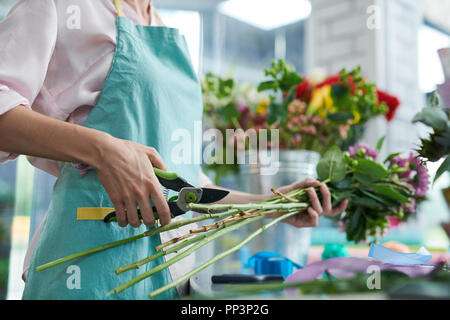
(386, 255)
(335, 251)
(271, 263)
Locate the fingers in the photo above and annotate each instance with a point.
(147, 212)
(162, 207)
(155, 158)
(316, 206)
(341, 208)
(313, 217)
(326, 199)
(132, 215)
(121, 215)
(160, 201)
(308, 182)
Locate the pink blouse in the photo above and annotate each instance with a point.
(57, 66)
(54, 58)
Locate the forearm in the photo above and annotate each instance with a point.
(26, 132)
(237, 197)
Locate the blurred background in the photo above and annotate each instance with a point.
(239, 38)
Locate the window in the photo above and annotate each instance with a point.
(431, 40)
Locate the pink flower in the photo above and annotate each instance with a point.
(372, 153)
(394, 222)
(422, 180)
(343, 131)
(416, 175)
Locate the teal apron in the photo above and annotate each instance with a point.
(151, 91)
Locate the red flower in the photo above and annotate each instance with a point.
(392, 103)
(303, 90)
(330, 81)
(334, 79)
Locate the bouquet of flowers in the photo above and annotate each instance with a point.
(315, 115)
(387, 192)
(309, 114)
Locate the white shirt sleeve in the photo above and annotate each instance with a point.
(27, 40)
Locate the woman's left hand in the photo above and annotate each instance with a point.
(311, 217)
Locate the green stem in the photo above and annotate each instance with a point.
(250, 206)
(182, 255)
(220, 256)
(173, 249)
(148, 233)
(87, 252)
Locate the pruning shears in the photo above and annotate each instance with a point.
(187, 194)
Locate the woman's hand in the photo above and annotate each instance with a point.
(125, 168)
(126, 172)
(311, 217)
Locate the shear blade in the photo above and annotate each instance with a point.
(212, 195)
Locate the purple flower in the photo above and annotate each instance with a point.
(242, 108)
(372, 153)
(422, 179)
(416, 174)
(410, 207)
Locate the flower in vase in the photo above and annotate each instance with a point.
(261, 109)
(391, 102)
(321, 101)
(303, 90)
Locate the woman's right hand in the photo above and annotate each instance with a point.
(125, 170)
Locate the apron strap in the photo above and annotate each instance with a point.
(119, 9)
(156, 15)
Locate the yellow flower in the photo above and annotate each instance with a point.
(357, 116)
(262, 107)
(321, 102)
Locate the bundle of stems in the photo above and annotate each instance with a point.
(227, 218)
(375, 192)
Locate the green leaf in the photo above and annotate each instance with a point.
(332, 166)
(230, 112)
(368, 171)
(433, 117)
(376, 198)
(268, 85)
(366, 202)
(340, 116)
(380, 143)
(289, 80)
(435, 99)
(389, 192)
(290, 97)
(392, 156)
(343, 184)
(445, 166)
(339, 91)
